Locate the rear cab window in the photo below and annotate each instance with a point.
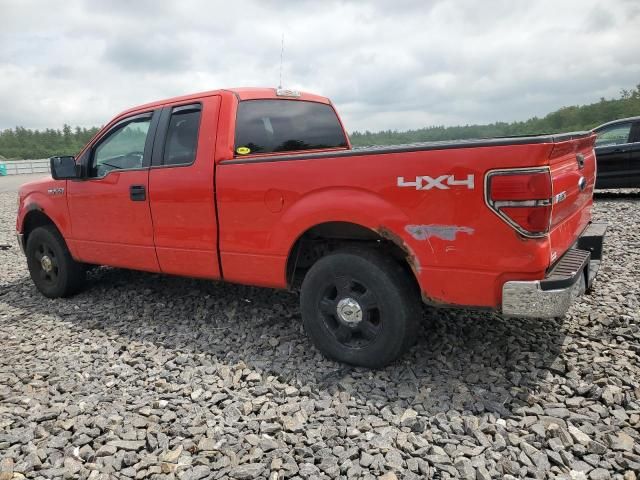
(271, 126)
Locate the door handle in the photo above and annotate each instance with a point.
(137, 193)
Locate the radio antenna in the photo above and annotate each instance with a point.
(281, 54)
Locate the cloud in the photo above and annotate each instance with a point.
(406, 64)
(148, 54)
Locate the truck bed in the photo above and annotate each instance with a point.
(421, 146)
(267, 201)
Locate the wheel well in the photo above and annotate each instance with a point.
(322, 239)
(33, 220)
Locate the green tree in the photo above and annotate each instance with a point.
(20, 142)
(565, 119)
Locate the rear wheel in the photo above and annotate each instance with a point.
(360, 307)
(52, 269)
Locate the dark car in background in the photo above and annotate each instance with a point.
(618, 153)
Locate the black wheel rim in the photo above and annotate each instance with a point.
(46, 264)
(335, 306)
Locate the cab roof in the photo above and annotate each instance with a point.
(615, 122)
(241, 93)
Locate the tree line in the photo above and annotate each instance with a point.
(566, 119)
(20, 142)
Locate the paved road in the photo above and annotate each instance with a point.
(11, 183)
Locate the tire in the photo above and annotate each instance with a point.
(346, 282)
(52, 269)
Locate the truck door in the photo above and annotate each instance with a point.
(613, 153)
(181, 189)
(634, 155)
(109, 209)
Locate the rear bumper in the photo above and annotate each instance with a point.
(569, 278)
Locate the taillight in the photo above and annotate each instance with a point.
(522, 198)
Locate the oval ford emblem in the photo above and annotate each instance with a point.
(582, 184)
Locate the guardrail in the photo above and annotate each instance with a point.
(17, 167)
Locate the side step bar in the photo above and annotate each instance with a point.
(564, 273)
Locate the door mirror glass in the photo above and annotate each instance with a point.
(63, 168)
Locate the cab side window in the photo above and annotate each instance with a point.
(122, 148)
(182, 136)
(614, 135)
(266, 126)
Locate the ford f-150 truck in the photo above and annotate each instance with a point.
(261, 186)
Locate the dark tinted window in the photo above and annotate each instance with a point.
(613, 135)
(264, 126)
(182, 136)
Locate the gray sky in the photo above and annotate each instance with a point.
(393, 64)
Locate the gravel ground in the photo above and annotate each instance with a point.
(145, 376)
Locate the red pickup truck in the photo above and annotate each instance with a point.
(261, 186)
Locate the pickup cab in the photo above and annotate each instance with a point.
(261, 186)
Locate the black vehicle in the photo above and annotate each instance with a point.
(618, 154)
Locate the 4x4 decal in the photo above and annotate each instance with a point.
(443, 182)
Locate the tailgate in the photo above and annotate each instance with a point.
(573, 175)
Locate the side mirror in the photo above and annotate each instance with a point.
(63, 168)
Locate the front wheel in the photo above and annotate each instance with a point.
(360, 307)
(53, 270)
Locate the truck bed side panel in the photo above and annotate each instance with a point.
(441, 221)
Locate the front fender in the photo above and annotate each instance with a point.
(53, 206)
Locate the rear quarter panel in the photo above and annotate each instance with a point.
(461, 251)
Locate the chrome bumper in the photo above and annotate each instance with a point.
(527, 299)
(569, 278)
(20, 238)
